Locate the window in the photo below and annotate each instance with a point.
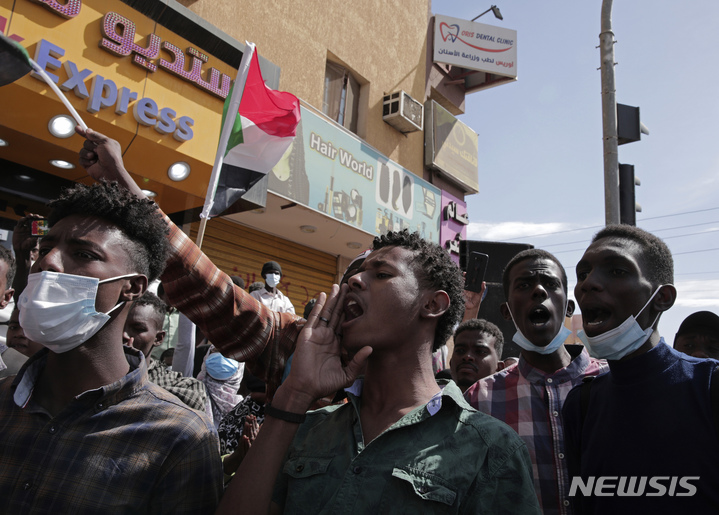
(341, 98)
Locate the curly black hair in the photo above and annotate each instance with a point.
(486, 327)
(531, 254)
(656, 256)
(150, 299)
(435, 270)
(6, 255)
(138, 218)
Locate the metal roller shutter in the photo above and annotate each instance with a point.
(240, 250)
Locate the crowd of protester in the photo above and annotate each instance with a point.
(251, 408)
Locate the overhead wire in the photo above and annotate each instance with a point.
(600, 226)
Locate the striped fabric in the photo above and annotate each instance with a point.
(236, 323)
(188, 389)
(530, 402)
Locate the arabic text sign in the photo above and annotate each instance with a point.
(475, 46)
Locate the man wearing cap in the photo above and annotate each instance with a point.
(698, 335)
(270, 296)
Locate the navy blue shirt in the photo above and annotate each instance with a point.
(648, 430)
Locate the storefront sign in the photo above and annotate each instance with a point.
(336, 173)
(451, 147)
(118, 37)
(475, 46)
(454, 224)
(104, 93)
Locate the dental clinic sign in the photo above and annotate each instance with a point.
(475, 46)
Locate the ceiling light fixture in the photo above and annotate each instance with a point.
(60, 163)
(178, 171)
(3, 143)
(149, 193)
(309, 229)
(354, 245)
(61, 126)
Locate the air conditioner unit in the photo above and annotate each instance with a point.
(403, 112)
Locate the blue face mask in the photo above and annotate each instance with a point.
(220, 367)
(621, 341)
(525, 344)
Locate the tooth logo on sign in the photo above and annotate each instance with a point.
(449, 31)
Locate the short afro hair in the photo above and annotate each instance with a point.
(6, 255)
(138, 218)
(531, 254)
(435, 270)
(657, 261)
(486, 327)
(150, 299)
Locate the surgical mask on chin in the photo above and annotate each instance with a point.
(621, 341)
(58, 310)
(525, 344)
(272, 280)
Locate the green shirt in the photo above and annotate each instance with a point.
(444, 457)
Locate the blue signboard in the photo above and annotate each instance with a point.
(336, 173)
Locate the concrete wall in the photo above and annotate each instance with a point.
(383, 42)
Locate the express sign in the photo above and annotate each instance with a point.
(119, 39)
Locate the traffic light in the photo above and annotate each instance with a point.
(628, 207)
(629, 126)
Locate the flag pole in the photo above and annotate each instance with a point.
(230, 116)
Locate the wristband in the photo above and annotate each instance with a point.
(294, 418)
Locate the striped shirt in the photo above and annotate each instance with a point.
(236, 323)
(530, 401)
(125, 448)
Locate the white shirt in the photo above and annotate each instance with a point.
(275, 301)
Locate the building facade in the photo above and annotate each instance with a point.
(154, 74)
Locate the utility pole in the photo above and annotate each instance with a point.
(609, 117)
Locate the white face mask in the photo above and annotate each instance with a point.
(58, 310)
(525, 344)
(272, 280)
(620, 341)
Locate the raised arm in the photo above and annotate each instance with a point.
(472, 302)
(317, 370)
(238, 325)
(24, 244)
(102, 158)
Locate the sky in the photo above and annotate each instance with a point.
(541, 171)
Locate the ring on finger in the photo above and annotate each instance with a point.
(323, 319)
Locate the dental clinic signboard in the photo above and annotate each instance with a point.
(475, 46)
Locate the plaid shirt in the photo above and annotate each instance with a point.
(236, 323)
(530, 401)
(188, 389)
(125, 448)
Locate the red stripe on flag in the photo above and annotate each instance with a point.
(275, 112)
